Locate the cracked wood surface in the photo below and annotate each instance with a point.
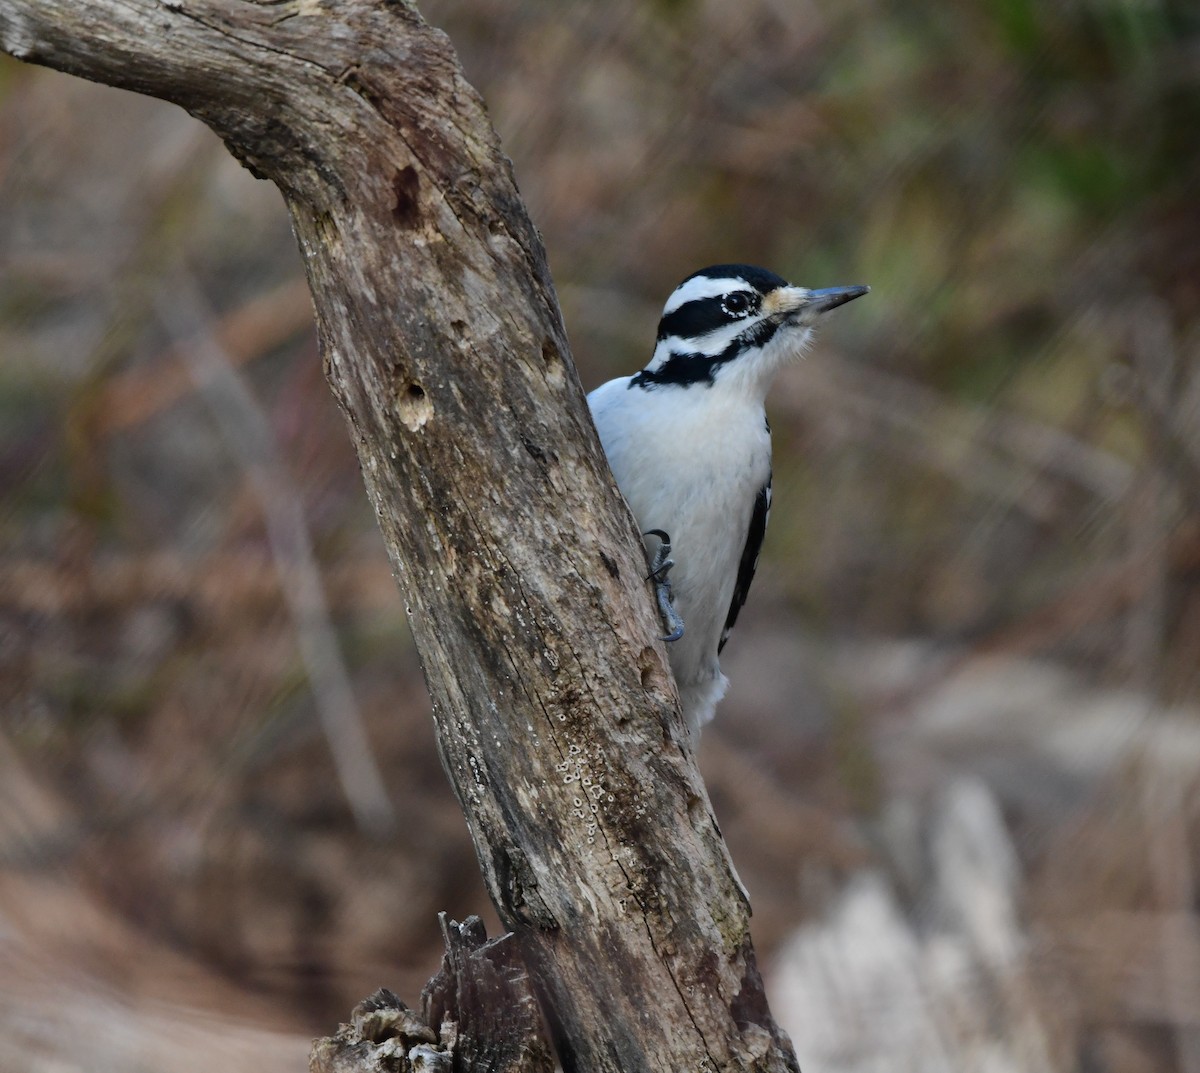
(555, 713)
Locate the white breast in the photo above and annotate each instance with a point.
(690, 461)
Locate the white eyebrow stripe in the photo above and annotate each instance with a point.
(704, 287)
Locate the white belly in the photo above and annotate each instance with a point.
(691, 462)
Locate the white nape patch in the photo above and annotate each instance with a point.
(704, 287)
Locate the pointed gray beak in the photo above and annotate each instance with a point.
(831, 297)
(800, 306)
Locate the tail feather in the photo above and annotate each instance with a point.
(700, 700)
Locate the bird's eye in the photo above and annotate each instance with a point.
(736, 304)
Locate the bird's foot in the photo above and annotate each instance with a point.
(660, 567)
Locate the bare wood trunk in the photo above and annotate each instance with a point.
(556, 715)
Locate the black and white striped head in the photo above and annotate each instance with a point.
(735, 322)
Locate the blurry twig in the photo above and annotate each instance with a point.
(187, 318)
(226, 582)
(981, 443)
(1098, 594)
(249, 331)
(1174, 885)
(1153, 504)
(1170, 405)
(1101, 593)
(1171, 446)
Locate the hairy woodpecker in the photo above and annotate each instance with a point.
(688, 442)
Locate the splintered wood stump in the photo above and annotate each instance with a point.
(478, 1015)
(555, 711)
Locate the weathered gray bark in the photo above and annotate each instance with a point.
(442, 340)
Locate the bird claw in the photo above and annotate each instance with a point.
(670, 616)
(660, 566)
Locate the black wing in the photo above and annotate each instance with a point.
(754, 541)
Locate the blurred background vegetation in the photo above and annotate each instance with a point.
(994, 460)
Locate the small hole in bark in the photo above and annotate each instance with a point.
(413, 406)
(610, 565)
(653, 676)
(552, 360)
(406, 187)
(352, 79)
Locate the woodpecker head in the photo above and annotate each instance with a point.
(735, 323)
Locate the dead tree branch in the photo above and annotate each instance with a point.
(442, 340)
